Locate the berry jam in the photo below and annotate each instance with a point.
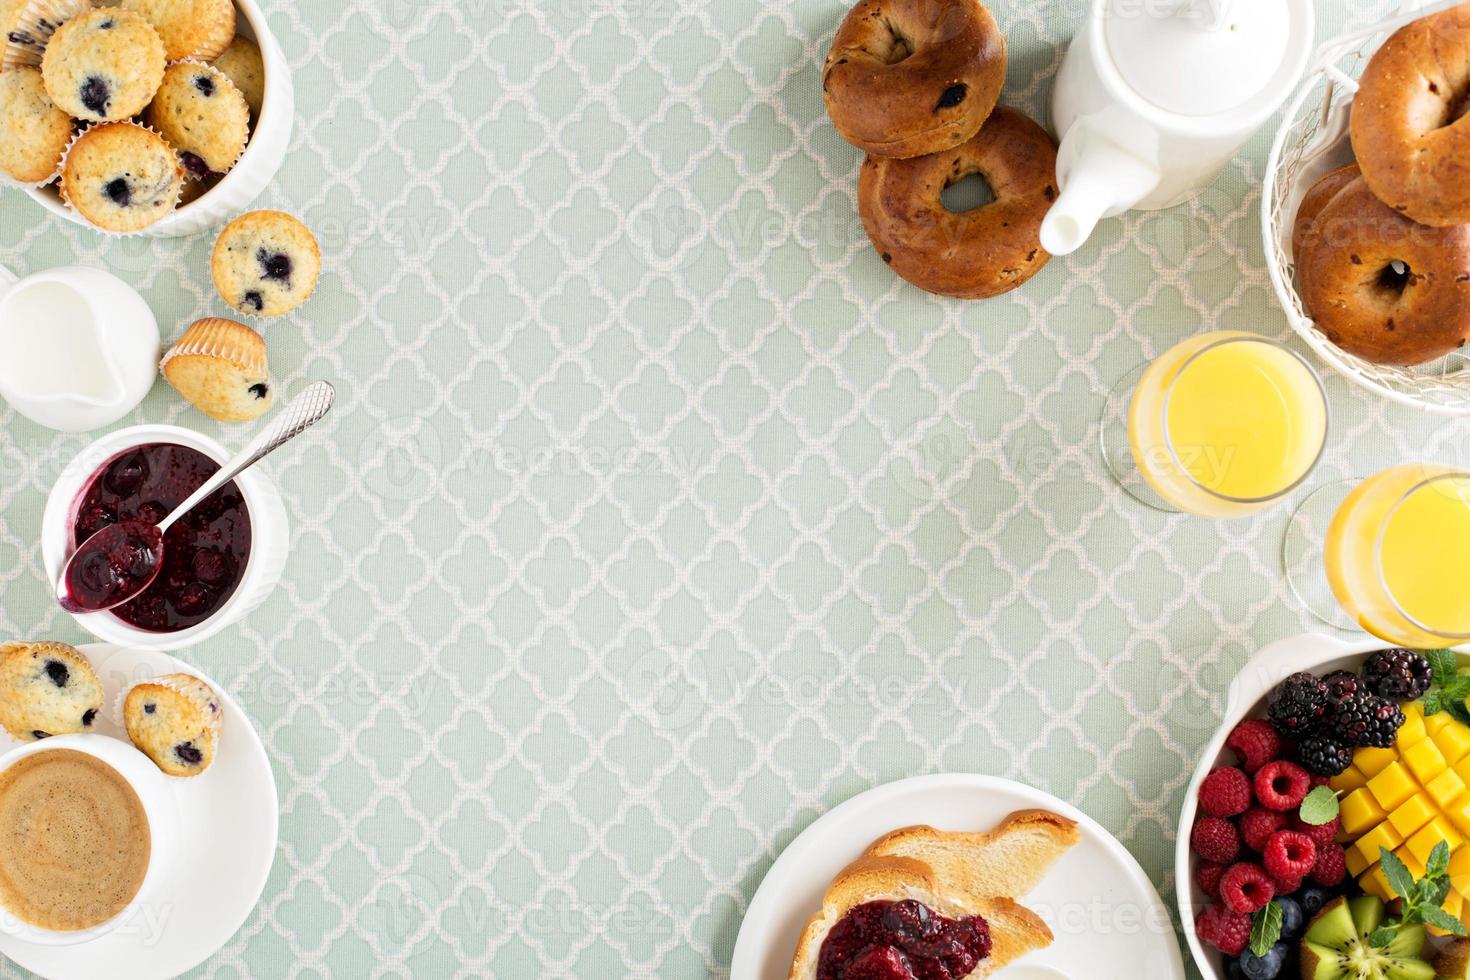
(112, 566)
(902, 941)
(204, 552)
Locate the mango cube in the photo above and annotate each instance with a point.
(1459, 814)
(1392, 786)
(1453, 741)
(1445, 787)
(1357, 864)
(1433, 723)
(1422, 843)
(1424, 760)
(1370, 762)
(1462, 768)
(1360, 812)
(1413, 729)
(1411, 861)
(1351, 778)
(1375, 882)
(1381, 836)
(1413, 814)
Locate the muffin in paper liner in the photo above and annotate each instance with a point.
(31, 24)
(174, 719)
(204, 117)
(200, 29)
(243, 63)
(265, 264)
(46, 689)
(98, 179)
(220, 366)
(104, 65)
(34, 131)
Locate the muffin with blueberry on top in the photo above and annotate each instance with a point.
(202, 115)
(175, 721)
(121, 177)
(104, 65)
(47, 689)
(265, 263)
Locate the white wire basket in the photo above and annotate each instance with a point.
(1314, 139)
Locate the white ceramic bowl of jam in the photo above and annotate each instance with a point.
(220, 561)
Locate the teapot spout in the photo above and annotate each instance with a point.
(1103, 180)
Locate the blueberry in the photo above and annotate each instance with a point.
(1233, 970)
(38, 734)
(56, 670)
(254, 300)
(149, 708)
(89, 716)
(107, 25)
(118, 191)
(274, 265)
(1312, 899)
(204, 84)
(260, 390)
(189, 755)
(125, 476)
(95, 94)
(194, 163)
(1266, 967)
(1292, 918)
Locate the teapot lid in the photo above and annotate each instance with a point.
(1201, 57)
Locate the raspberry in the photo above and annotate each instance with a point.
(1215, 839)
(1321, 835)
(1223, 929)
(1282, 785)
(1331, 866)
(1258, 824)
(1287, 886)
(1256, 742)
(1290, 856)
(1245, 888)
(1207, 876)
(1224, 793)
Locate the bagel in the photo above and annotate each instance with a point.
(972, 254)
(910, 77)
(1385, 288)
(1318, 196)
(1409, 125)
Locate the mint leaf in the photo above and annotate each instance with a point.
(1382, 936)
(1265, 928)
(1444, 663)
(1397, 873)
(1458, 689)
(1439, 861)
(1433, 702)
(1460, 712)
(1439, 918)
(1320, 807)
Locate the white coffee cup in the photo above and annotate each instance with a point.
(79, 347)
(149, 908)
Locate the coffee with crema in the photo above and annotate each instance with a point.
(74, 840)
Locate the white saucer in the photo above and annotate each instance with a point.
(1108, 920)
(232, 816)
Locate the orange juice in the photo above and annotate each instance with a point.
(1226, 423)
(1398, 555)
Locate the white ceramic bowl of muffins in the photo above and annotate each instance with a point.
(264, 153)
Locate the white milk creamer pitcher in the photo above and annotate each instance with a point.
(1154, 97)
(78, 347)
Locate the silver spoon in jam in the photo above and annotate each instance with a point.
(120, 561)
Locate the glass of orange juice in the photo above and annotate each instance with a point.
(1222, 425)
(1395, 558)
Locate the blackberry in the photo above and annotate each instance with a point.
(1398, 675)
(1342, 684)
(1364, 719)
(1324, 757)
(1299, 705)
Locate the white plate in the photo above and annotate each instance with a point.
(232, 817)
(1107, 917)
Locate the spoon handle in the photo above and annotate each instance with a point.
(300, 414)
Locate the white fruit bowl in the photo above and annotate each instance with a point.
(1247, 699)
(263, 156)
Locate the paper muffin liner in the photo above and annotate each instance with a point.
(38, 20)
(190, 175)
(61, 184)
(185, 684)
(220, 337)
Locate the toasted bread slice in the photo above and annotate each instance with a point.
(1014, 931)
(1006, 862)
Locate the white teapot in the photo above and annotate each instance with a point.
(1154, 97)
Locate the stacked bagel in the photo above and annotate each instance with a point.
(914, 84)
(1382, 246)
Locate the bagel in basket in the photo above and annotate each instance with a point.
(923, 894)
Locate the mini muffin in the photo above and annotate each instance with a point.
(47, 689)
(121, 177)
(220, 367)
(241, 61)
(34, 132)
(191, 28)
(103, 65)
(175, 721)
(27, 25)
(202, 115)
(265, 263)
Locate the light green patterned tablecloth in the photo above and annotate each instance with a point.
(656, 516)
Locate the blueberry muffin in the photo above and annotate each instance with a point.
(27, 25)
(220, 367)
(33, 131)
(47, 689)
(175, 721)
(202, 115)
(121, 177)
(241, 61)
(103, 65)
(190, 28)
(265, 263)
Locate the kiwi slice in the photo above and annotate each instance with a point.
(1453, 960)
(1336, 945)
